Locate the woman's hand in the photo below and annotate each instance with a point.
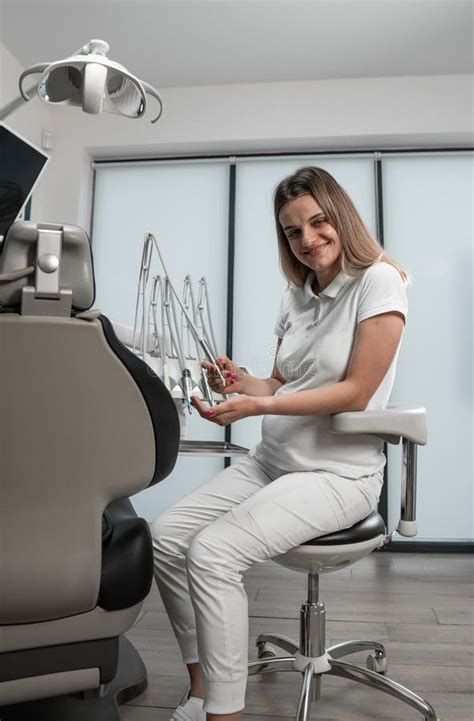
(233, 376)
(231, 410)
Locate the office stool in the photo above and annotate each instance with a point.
(310, 657)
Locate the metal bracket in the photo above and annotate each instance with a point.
(30, 305)
(48, 262)
(46, 297)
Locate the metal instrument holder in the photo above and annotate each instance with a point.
(212, 448)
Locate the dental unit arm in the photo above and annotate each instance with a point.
(165, 342)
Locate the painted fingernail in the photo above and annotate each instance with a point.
(232, 380)
(210, 412)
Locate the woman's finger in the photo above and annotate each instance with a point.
(201, 407)
(205, 412)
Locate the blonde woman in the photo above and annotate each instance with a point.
(339, 329)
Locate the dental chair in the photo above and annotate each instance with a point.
(83, 425)
(310, 656)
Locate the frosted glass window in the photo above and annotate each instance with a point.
(428, 228)
(185, 205)
(259, 282)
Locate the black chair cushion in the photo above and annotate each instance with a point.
(127, 557)
(364, 530)
(163, 413)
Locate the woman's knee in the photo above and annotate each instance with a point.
(204, 552)
(213, 553)
(164, 536)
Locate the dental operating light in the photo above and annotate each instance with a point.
(90, 80)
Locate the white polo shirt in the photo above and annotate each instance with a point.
(318, 334)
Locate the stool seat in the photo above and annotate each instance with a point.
(370, 527)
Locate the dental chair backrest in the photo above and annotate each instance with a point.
(83, 422)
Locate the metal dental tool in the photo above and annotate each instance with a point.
(175, 347)
(203, 342)
(188, 301)
(157, 294)
(139, 339)
(166, 342)
(203, 305)
(186, 379)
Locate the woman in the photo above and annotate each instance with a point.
(339, 329)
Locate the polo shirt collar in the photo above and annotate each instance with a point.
(332, 289)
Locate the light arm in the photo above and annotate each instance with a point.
(17, 102)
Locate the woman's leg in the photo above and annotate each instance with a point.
(172, 533)
(280, 516)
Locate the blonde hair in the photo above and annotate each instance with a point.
(359, 249)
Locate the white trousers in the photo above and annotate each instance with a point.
(246, 514)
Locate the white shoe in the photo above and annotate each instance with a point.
(191, 711)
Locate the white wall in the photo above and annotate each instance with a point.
(312, 115)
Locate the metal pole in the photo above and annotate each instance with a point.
(408, 505)
(16, 103)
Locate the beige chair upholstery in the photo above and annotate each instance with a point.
(84, 423)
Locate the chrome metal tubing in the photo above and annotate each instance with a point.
(271, 665)
(304, 705)
(375, 680)
(313, 587)
(287, 644)
(344, 649)
(312, 629)
(409, 468)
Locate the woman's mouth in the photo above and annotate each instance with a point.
(318, 249)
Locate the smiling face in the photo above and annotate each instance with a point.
(312, 240)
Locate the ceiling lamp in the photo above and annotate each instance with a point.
(90, 80)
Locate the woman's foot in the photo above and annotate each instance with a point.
(190, 711)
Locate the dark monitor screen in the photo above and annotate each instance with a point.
(21, 164)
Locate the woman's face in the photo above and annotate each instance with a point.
(312, 240)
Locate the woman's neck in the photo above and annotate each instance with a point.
(322, 280)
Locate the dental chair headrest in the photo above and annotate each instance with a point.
(46, 262)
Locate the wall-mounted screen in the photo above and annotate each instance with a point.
(21, 165)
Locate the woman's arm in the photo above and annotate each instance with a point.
(376, 342)
(375, 345)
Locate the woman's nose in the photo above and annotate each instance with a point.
(309, 236)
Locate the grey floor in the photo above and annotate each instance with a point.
(418, 605)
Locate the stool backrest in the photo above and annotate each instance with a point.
(395, 422)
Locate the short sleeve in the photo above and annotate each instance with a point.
(282, 317)
(382, 291)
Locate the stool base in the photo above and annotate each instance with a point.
(312, 659)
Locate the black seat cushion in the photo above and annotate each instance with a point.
(127, 557)
(364, 530)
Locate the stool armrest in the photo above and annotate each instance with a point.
(391, 424)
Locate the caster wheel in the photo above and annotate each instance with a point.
(265, 651)
(377, 663)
